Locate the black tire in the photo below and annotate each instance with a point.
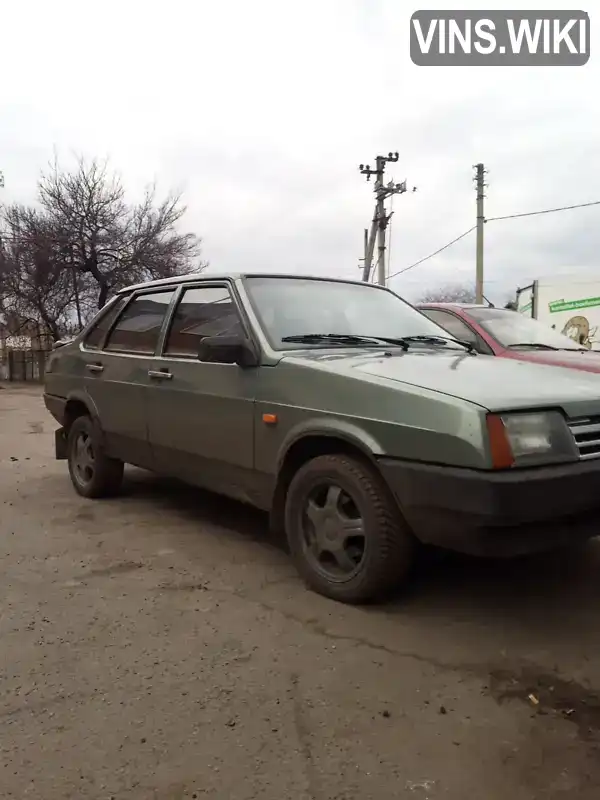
(103, 475)
(389, 547)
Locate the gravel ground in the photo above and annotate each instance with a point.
(160, 647)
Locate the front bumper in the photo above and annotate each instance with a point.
(507, 513)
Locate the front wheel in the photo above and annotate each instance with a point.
(345, 531)
(92, 472)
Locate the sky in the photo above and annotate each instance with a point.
(262, 112)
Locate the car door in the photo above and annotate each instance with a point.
(457, 327)
(117, 359)
(201, 415)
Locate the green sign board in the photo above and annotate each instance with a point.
(573, 305)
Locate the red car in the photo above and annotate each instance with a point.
(508, 334)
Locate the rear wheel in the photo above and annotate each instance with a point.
(92, 472)
(345, 532)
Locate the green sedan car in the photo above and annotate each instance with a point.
(361, 426)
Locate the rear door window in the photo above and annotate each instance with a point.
(95, 338)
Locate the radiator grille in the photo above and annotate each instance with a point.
(587, 435)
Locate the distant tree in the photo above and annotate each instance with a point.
(108, 241)
(511, 305)
(35, 289)
(452, 293)
(61, 260)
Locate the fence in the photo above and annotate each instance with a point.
(24, 365)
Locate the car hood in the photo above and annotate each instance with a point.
(488, 381)
(586, 360)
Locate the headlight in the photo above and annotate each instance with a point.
(530, 439)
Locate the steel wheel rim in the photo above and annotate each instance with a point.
(84, 461)
(333, 534)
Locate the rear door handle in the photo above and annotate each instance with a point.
(160, 374)
(94, 367)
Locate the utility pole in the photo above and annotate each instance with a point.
(369, 248)
(365, 251)
(380, 218)
(480, 186)
(382, 222)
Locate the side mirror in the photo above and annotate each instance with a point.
(227, 350)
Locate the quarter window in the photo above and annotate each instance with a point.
(452, 324)
(95, 337)
(202, 311)
(138, 328)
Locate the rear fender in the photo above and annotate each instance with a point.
(60, 444)
(85, 399)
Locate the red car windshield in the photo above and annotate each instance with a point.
(512, 329)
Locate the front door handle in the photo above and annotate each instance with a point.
(94, 367)
(160, 374)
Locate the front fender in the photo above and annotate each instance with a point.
(333, 428)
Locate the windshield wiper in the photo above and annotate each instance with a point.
(429, 339)
(350, 339)
(344, 338)
(534, 345)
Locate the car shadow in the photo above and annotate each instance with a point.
(521, 627)
(542, 584)
(199, 505)
(555, 580)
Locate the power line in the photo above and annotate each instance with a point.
(546, 277)
(546, 211)
(494, 219)
(431, 255)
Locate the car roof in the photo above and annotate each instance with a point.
(194, 277)
(459, 305)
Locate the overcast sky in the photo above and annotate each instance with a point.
(262, 111)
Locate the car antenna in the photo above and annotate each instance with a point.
(490, 305)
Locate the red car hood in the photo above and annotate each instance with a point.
(587, 360)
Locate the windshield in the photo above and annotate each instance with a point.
(298, 306)
(511, 328)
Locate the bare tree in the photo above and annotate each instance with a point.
(110, 242)
(452, 293)
(36, 292)
(59, 262)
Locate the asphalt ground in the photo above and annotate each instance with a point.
(159, 646)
